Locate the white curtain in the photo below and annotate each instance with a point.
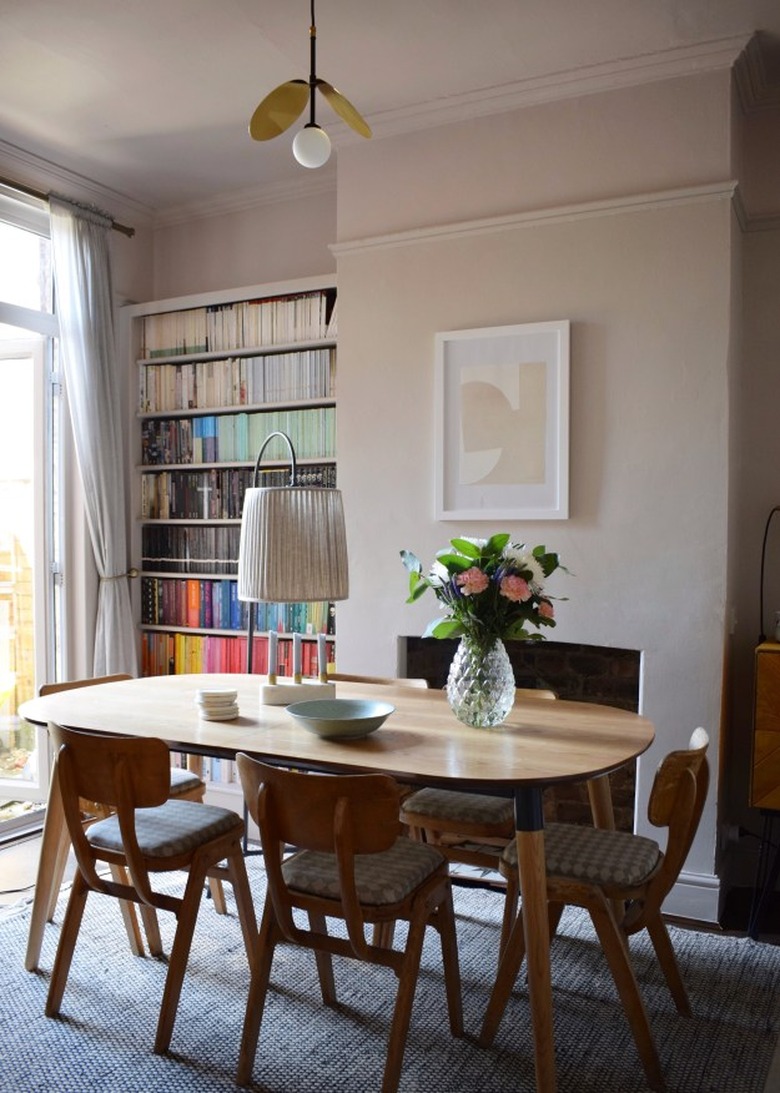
(82, 279)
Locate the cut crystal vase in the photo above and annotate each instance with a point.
(481, 684)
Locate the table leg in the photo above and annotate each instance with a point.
(529, 822)
(54, 832)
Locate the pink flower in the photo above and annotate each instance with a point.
(515, 589)
(546, 609)
(472, 582)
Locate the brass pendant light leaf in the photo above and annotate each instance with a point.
(344, 108)
(279, 110)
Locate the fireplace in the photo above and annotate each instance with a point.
(580, 673)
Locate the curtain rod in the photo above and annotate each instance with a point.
(123, 228)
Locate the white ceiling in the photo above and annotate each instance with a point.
(152, 98)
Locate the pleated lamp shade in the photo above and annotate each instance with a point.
(293, 546)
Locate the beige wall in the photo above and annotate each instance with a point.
(273, 241)
(647, 293)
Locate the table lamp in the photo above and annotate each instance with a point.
(293, 549)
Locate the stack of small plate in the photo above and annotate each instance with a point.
(217, 703)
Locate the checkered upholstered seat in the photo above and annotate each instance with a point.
(445, 806)
(595, 856)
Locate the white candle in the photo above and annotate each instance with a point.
(273, 658)
(297, 659)
(322, 658)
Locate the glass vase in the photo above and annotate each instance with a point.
(481, 684)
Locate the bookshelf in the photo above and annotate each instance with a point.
(214, 374)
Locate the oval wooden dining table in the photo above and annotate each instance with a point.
(541, 743)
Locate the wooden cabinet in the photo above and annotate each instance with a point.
(765, 774)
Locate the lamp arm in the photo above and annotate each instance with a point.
(762, 635)
(264, 445)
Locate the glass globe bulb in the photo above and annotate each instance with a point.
(311, 146)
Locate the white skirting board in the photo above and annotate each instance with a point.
(695, 896)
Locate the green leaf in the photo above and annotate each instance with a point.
(471, 550)
(411, 561)
(455, 562)
(443, 628)
(497, 542)
(417, 586)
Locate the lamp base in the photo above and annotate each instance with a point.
(283, 693)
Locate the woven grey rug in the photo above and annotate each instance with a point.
(103, 1040)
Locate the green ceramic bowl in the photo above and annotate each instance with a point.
(340, 718)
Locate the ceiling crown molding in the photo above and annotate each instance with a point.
(30, 170)
(305, 184)
(666, 64)
(757, 73)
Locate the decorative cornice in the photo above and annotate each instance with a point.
(587, 80)
(31, 170)
(302, 185)
(757, 74)
(716, 191)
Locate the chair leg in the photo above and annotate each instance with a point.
(217, 895)
(318, 925)
(668, 961)
(258, 988)
(614, 947)
(57, 874)
(510, 909)
(382, 935)
(152, 930)
(70, 931)
(177, 962)
(129, 917)
(445, 923)
(236, 872)
(512, 957)
(407, 983)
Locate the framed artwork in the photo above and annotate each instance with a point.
(502, 423)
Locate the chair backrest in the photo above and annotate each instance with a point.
(121, 773)
(386, 681)
(53, 688)
(676, 803)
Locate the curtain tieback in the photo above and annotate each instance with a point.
(121, 576)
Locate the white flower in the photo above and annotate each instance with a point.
(439, 575)
(523, 559)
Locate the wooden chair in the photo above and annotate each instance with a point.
(144, 832)
(185, 785)
(600, 869)
(350, 864)
(469, 828)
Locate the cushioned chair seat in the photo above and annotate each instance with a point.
(467, 808)
(594, 855)
(380, 879)
(183, 781)
(167, 830)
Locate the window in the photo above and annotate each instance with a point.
(30, 593)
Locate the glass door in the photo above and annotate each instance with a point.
(29, 589)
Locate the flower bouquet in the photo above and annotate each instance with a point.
(493, 591)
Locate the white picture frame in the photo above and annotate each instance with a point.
(502, 423)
